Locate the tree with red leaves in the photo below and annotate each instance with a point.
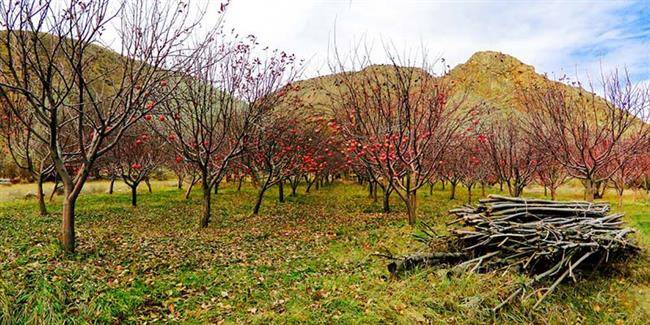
(551, 174)
(449, 171)
(222, 99)
(176, 164)
(322, 156)
(509, 150)
(473, 165)
(398, 120)
(51, 62)
(275, 151)
(629, 172)
(588, 135)
(136, 156)
(465, 162)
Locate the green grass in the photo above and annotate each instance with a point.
(307, 260)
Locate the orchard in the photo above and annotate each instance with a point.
(275, 196)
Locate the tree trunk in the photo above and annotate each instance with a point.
(501, 186)
(294, 186)
(373, 191)
(453, 191)
(258, 202)
(545, 191)
(599, 189)
(482, 189)
(146, 181)
(216, 189)
(54, 189)
(67, 225)
(553, 190)
(411, 206)
(134, 195)
(431, 188)
(241, 180)
(281, 191)
(179, 185)
(443, 185)
(40, 195)
(469, 194)
(206, 211)
(589, 190)
(111, 186)
(386, 203)
(189, 188)
(620, 197)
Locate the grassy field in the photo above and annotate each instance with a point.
(307, 260)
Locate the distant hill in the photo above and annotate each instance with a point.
(489, 77)
(494, 77)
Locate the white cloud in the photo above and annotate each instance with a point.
(548, 35)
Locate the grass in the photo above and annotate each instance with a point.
(307, 260)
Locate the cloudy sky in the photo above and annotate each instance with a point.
(555, 36)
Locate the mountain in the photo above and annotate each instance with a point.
(492, 78)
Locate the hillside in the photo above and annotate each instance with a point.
(494, 78)
(102, 63)
(489, 77)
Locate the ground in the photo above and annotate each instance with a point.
(307, 260)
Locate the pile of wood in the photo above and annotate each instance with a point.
(549, 240)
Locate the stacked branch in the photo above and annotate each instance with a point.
(548, 240)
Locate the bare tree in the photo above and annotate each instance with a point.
(83, 98)
(26, 151)
(224, 95)
(551, 174)
(588, 134)
(509, 150)
(629, 171)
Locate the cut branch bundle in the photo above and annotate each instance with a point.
(548, 240)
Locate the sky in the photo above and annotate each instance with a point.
(556, 37)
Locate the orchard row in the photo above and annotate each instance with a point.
(221, 107)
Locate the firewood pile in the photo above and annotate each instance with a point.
(550, 241)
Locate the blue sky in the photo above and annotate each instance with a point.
(626, 41)
(557, 37)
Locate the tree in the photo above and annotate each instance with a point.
(223, 96)
(465, 161)
(509, 150)
(82, 97)
(551, 174)
(397, 118)
(275, 151)
(26, 151)
(628, 172)
(176, 164)
(450, 169)
(473, 165)
(136, 156)
(585, 133)
(321, 154)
